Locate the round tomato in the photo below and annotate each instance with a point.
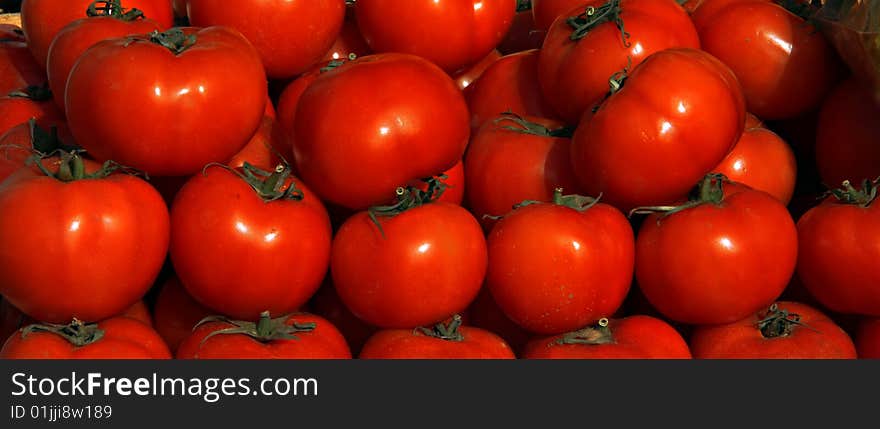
(465, 77)
(296, 336)
(288, 101)
(17, 67)
(787, 330)
(197, 98)
(633, 337)
(326, 303)
(676, 117)
(868, 339)
(444, 341)
(176, 313)
(32, 102)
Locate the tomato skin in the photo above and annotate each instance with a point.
(763, 161)
(868, 339)
(717, 264)
(574, 74)
(410, 344)
(185, 119)
(522, 35)
(124, 338)
(484, 313)
(264, 147)
(821, 338)
(176, 313)
(282, 247)
(430, 264)
(465, 77)
(140, 312)
(289, 35)
(18, 110)
(288, 101)
(324, 342)
(647, 146)
(326, 303)
(350, 40)
(404, 120)
(17, 67)
(636, 337)
(451, 33)
(546, 11)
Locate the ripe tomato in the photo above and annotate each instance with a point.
(113, 338)
(350, 40)
(722, 257)
(77, 36)
(140, 312)
(484, 313)
(182, 99)
(451, 33)
(17, 67)
(465, 77)
(444, 341)
(868, 339)
(274, 227)
(176, 313)
(546, 11)
(676, 117)
(265, 148)
(41, 20)
(574, 72)
(788, 330)
(289, 100)
(32, 102)
(633, 337)
(289, 35)
(313, 338)
(326, 303)
(848, 134)
(838, 250)
(784, 64)
(404, 119)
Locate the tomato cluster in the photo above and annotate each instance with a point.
(446, 179)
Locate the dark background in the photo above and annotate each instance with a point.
(9, 6)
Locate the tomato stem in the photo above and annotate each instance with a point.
(523, 5)
(264, 330)
(71, 167)
(862, 197)
(113, 9)
(524, 126)
(408, 198)
(270, 186)
(334, 64)
(174, 40)
(76, 332)
(709, 191)
(592, 335)
(33, 92)
(595, 16)
(443, 331)
(778, 323)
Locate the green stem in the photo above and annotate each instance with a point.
(595, 16)
(518, 124)
(408, 198)
(270, 186)
(113, 9)
(33, 92)
(778, 323)
(77, 333)
(523, 5)
(174, 40)
(590, 336)
(266, 329)
(443, 331)
(709, 191)
(863, 197)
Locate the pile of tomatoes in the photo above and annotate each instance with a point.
(435, 179)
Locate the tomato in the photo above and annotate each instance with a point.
(401, 119)
(313, 338)
(649, 142)
(633, 337)
(105, 234)
(514, 159)
(32, 102)
(265, 148)
(176, 313)
(289, 35)
(11, 319)
(350, 40)
(722, 257)
(289, 100)
(444, 341)
(788, 330)
(522, 35)
(182, 102)
(848, 135)
(546, 11)
(465, 77)
(574, 74)
(74, 38)
(838, 249)
(41, 20)
(140, 312)
(484, 313)
(326, 303)
(868, 339)
(455, 184)
(17, 67)
(113, 338)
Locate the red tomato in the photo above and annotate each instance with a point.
(176, 313)
(546, 11)
(574, 74)
(522, 35)
(484, 313)
(788, 330)
(784, 64)
(289, 35)
(868, 339)
(17, 67)
(444, 341)
(41, 20)
(105, 235)
(193, 107)
(74, 38)
(633, 337)
(451, 33)
(515, 159)
(649, 142)
(314, 338)
(404, 119)
(725, 256)
(289, 100)
(350, 40)
(114, 338)
(465, 77)
(838, 251)
(848, 134)
(265, 148)
(326, 303)
(32, 102)
(140, 312)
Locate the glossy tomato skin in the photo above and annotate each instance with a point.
(324, 342)
(847, 135)
(15, 110)
(647, 146)
(818, 338)
(240, 255)
(350, 40)
(451, 33)
(409, 344)
(265, 147)
(465, 77)
(546, 11)
(176, 313)
(124, 338)
(868, 339)
(574, 74)
(17, 67)
(429, 265)
(289, 35)
(107, 239)
(762, 161)
(404, 120)
(635, 337)
(715, 264)
(288, 101)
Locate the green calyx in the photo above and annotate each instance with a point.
(269, 185)
(861, 197)
(575, 202)
(709, 191)
(595, 335)
(77, 333)
(44, 142)
(332, 65)
(71, 167)
(444, 331)
(266, 329)
(113, 9)
(33, 92)
(776, 323)
(408, 198)
(175, 40)
(595, 16)
(615, 82)
(518, 124)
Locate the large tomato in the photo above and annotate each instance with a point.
(676, 117)
(718, 259)
(400, 119)
(787, 330)
(848, 135)
(290, 35)
(248, 241)
(17, 67)
(175, 313)
(444, 341)
(868, 339)
(450, 33)
(839, 250)
(35, 102)
(113, 338)
(104, 233)
(633, 337)
(578, 58)
(192, 99)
